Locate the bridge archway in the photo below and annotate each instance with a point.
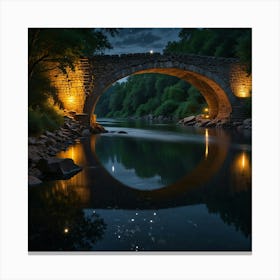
(217, 94)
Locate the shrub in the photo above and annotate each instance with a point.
(44, 118)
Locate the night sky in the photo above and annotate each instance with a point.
(139, 40)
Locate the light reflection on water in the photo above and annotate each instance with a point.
(170, 196)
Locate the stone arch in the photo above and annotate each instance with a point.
(214, 89)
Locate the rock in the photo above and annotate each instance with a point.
(72, 113)
(49, 134)
(97, 128)
(188, 119)
(190, 123)
(204, 122)
(247, 122)
(41, 143)
(43, 137)
(122, 132)
(85, 132)
(51, 142)
(32, 140)
(58, 167)
(33, 181)
(33, 154)
(35, 172)
(210, 124)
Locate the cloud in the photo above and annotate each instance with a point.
(131, 40)
(139, 39)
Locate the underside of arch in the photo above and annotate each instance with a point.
(215, 96)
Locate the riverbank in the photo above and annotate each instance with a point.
(199, 121)
(42, 151)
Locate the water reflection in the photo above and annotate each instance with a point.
(204, 190)
(56, 222)
(206, 142)
(148, 165)
(241, 172)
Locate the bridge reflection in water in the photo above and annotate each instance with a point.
(97, 188)
(71, 214)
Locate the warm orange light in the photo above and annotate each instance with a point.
(241, 172)
(242, 162)
(71, 99)
(206, 143)
(243, 91)
(70, 87)
(66, 230)
(206, 110)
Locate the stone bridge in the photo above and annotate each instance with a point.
(223, 82)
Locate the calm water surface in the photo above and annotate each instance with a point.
(155, 188)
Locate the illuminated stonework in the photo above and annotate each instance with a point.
(240, 82)
(72, 86)
(222, 81)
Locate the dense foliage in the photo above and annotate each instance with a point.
(167, 96)
(155, 94)
(220, 42)
(61, 45)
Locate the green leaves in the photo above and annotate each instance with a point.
(64, 45)
(222, 42)
(154, 94)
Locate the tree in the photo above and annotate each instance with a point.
(63, 45)
(220, 42)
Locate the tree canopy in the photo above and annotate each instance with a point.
(64, 45)
(220, 42)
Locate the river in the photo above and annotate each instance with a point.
(148, 187)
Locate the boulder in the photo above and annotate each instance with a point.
(188, 119)
(190, 123)
(33, 181)
(97, 128)
(58, 167)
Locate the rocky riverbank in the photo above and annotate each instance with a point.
(197, 121)
(42, 163)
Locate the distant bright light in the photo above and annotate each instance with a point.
(113, 168)
(151, 51)
(66, 230)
